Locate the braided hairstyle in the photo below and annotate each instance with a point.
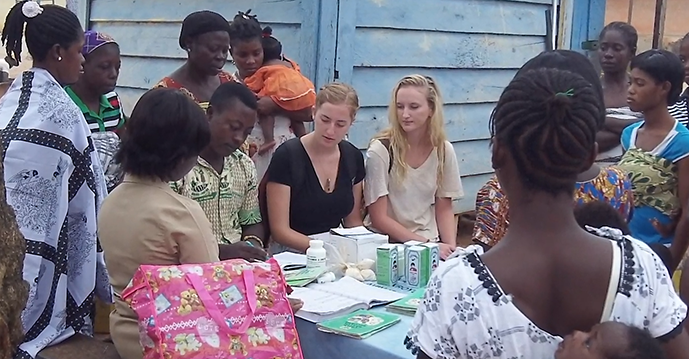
(548, 120)
(55, 25)
(245, 27)
(631, 37)
(272, 48)
(574, 62)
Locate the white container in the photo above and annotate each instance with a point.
(353, 247)
(315, 255)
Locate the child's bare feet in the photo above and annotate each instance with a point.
(266, 147)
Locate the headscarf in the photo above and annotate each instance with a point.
(94, 40)
(202, 22)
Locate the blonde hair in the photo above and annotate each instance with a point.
(338, 93)
(397, 136)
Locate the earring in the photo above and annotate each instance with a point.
(59, 58)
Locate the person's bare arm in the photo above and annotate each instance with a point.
(445, 218)
(354, 218)
(677, 347)
(607, 140)
(380, 220)
(266, 106)
(609, 137)
(278, 197)
(681, 240)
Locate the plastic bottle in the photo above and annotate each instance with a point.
(315, 255)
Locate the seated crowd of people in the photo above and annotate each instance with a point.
(211, 166)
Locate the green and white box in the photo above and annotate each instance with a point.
(434, 255)
(401, 259)
(387, 264)
(418, 266)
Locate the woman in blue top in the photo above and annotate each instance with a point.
(656, 151)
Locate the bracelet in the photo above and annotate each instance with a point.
(253, 237)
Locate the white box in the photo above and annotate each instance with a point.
(353, 244)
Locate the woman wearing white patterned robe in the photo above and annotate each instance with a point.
(53, 177)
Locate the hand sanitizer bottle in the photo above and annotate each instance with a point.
(315, 255)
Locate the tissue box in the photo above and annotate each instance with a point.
(353, 244)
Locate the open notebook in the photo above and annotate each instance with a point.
(331, 300)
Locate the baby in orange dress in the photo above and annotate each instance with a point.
(280, 79)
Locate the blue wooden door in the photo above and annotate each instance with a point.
(148, 33)
(471, 48)
(588, 19)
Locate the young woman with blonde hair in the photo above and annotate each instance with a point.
(314, 182)
(411, 171)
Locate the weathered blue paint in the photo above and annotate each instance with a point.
(148, 58)
(471, 48)
(588, 20)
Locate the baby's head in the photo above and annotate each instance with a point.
(610, 340)
(599, 214)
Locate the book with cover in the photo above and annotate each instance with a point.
(408, 304)
(331, 300)
(303, 277)
(360, 324)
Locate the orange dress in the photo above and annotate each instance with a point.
(287, 87)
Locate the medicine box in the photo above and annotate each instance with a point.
(417, 266)
(433, 255)
(387, 264)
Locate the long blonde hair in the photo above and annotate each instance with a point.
(397, 136)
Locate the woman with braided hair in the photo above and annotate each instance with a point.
(547, 277)
(597, 183)
(54, 178)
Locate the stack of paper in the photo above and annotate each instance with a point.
(408, 304)
(359, 325)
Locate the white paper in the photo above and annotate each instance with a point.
(330, 300)
(352, 288)
(287, 258)
(352, 232)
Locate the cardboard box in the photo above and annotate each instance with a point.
(433, 255)
(353, 244)
(387, 264)
(418, 266)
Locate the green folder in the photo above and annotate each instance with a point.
(360, 324)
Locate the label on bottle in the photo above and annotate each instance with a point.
(315, 261)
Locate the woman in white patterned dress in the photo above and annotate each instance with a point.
(54, 179)
(547, 277)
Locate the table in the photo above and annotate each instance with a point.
(387, 344)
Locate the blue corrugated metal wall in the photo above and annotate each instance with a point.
(471, 47)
